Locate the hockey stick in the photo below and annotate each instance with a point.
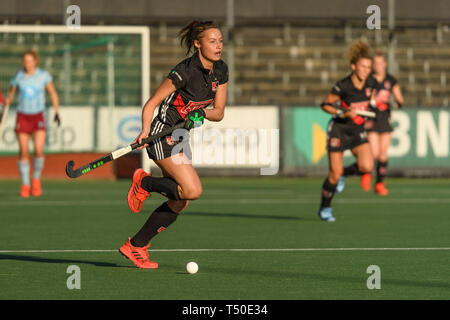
(3, 115)
(364, 113)
(75, 173)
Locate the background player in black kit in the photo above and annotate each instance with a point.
(346, 129)
(190, 86)
(379, 130)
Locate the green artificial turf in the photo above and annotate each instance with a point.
(220, 232)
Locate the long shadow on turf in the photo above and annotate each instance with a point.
(48, 260)
(242, 215)
(321, 277)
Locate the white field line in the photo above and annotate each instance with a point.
(234, 250)
(33, 202)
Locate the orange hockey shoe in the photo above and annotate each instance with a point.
(136, 194)
(36, 189)
(25, 191)
(381, 189)
(139, 256)
(366, 179)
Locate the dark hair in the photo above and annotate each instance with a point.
(193, 31)
(359, 50)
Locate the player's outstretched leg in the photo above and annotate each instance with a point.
(364, 159)
(325, 210)
(166, 214)
(24, 169)
(38, 165)
(366, 181)
(380, 188)
(350, 170)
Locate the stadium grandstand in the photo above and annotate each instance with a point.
(281, 60)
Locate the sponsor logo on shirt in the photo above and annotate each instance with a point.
(215, 84)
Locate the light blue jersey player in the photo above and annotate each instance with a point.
(30, 83)
(31, 90)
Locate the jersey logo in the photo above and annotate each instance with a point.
(183, 110)
(368, 92)
(215, 85)
(171, 141)
(335, 142)
(361, 105)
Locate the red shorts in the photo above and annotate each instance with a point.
(29, 123)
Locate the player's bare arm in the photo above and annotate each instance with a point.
(53, 96)
(328, 106)
(164, 90)
(397, 92)
(218, 112)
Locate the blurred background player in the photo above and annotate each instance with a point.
(346, 128)
(190, 87)
(30, 82)
(379, 130)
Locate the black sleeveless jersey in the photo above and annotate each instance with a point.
(353, 97)
(383, 92)
(195, 88)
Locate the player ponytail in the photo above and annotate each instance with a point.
(359, 50)
(194, 31)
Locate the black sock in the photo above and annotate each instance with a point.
(168, 187)
(158, 221)
(351, 170)
(381, 170)
(328, 190)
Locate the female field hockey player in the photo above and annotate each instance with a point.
(346, 129)
(30, 82)
(379, 130)
(190, 87)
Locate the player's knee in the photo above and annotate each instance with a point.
(192, 192)
(335, 175)
(383, 157)
(365, 167)
(23, 155)
(39, 154)
(178, 205)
